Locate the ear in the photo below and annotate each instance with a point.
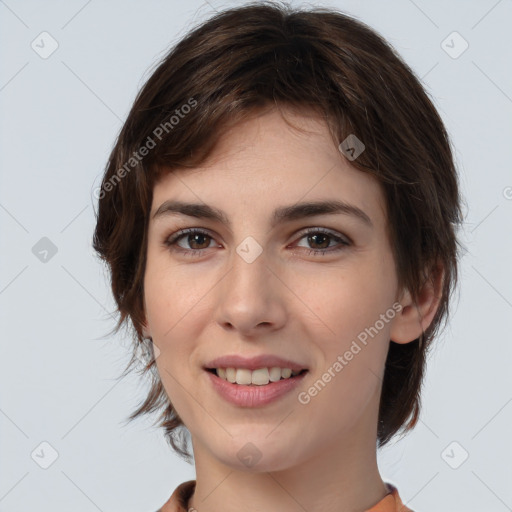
(416, 315)
(146, 332)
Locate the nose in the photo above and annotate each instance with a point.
(251, 297)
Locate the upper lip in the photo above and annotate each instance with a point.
(253, 363)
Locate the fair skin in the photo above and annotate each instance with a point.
(318, 456)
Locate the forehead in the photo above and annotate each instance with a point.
(264, 162)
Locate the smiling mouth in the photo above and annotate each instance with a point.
(260, 377)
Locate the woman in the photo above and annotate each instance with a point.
(279, 218)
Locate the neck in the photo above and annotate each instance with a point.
(338, 477)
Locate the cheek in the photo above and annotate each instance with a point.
(344, 302)
(351, 341)
(172, 298)
(172, 304)
(349, 322)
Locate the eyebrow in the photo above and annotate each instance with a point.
(280, 215)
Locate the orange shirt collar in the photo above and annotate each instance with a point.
(178, 502)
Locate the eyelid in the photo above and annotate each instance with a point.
(180, 233)
(343, 241)
(327, 231)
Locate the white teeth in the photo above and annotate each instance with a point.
(259, 377)
(275, 374)
(230, 374)
(243, 376)
(285, 373)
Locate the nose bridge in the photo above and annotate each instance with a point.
(249, 296)
(249, 279)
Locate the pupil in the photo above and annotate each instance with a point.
(194, 238)
(325, 237)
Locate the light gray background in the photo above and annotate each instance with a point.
(59, 119)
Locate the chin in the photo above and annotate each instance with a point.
(258, 453)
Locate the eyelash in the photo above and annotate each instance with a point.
(173, 239)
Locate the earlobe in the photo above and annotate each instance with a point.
(417, 314)
(146, 332)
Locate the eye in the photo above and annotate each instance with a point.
(197, 239)
(322, 238)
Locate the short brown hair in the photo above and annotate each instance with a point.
(265, 54)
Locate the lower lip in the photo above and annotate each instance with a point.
(254, 396)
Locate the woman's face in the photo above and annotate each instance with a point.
(314, 288)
